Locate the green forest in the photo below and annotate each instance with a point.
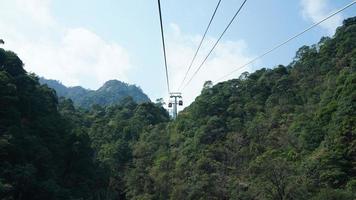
(286, 133)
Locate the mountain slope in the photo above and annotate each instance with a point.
(282, 133)
(41, 155)
(112, 92)
(50, 150)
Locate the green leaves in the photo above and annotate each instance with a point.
(10, 63)
(41, 156)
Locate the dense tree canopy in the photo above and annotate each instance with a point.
(276, 134)
(50, 150)
(42, 156)
(282, 133)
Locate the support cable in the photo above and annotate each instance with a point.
(290, 39)
(216, 43)
(163, 45)
(200, 44)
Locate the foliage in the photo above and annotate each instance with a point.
(42, 156)
(282, 133)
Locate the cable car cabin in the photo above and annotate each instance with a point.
(169, 105)
(180, 102)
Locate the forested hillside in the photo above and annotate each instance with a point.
(282, 133)
(49, 150)
(276, 134)
(42, 155)
(111, 93)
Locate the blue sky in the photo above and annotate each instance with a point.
(86, 42)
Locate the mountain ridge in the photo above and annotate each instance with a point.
(110, 93)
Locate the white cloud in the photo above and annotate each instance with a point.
(79, 58)
(180, 49)
(38, 10)
(316, 10)
(75, 56)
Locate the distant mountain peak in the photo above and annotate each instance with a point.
(114, 82)
(113, 85)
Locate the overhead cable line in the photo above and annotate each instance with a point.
(290, 39)
(163, 45)
(200, 44)
(216, 43)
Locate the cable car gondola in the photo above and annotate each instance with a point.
(180, 102)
